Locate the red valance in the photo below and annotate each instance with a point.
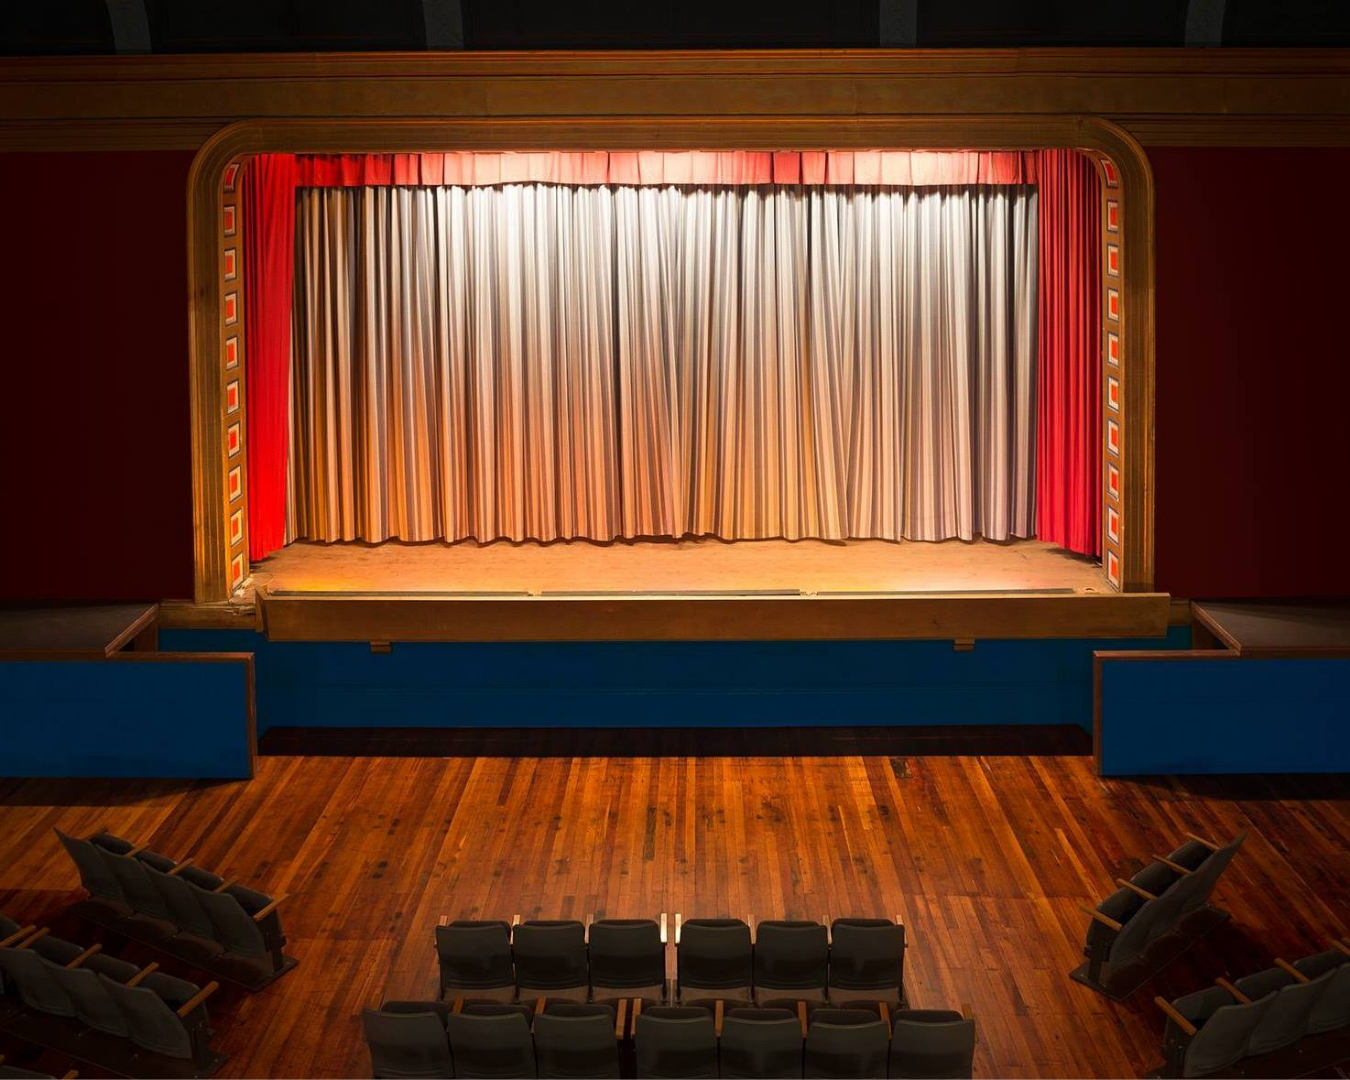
(891, 168)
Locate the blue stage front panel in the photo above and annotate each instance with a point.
(1211, 715)
(667, 684)
(123, 718)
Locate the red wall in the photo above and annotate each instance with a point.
(95, 444)
(1253, 372)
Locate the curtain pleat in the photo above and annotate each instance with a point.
(539, 361)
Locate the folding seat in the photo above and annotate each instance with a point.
(791, 961)
(758, 1043)
(31, 975)
(185, 911)
(1207, 874)
(628, 960)
(867, 961)
(935, 1043)
(1286, 1019)
(843, 1043)
(251, 932)
(574, 1040)
(1332, 1010)
(550, 956)
(675, 1043)
(148, 911)
(475, 959)
(1209, 1031)
(714, 959)
(407, 1039)
(490, 1047)
(12, 935)
(120, 846)
(86, 992)
(102, 885)
(159, 1021)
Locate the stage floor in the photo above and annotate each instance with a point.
(673, 567)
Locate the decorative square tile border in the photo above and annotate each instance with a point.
(1113, 348)
(1113, 568)
(232, 375)
(231, 353)
(1113, 437)
(1113, 393)
(234, 440)
(1112, 215)
(1111, 173)
(237, 527)
(1113, 259)
(1112, 525)
(231, 264)
(231, 308)
(232, 397)
(1113, 304)
(229, 219)
(237, 571)
(231, 175)
(234, 483)
(1112, 482)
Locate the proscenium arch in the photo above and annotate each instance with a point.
(413, 135)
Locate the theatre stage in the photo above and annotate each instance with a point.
(699, 565)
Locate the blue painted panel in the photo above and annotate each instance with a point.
(1197, 716)
(667, 684)
(125, 718)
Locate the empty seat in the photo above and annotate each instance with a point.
(96, 875)
(714, 959)
(1202, 882)
(31, 974)
(675, 1043)
(239, 932)
(1286, 1019)
(791, 960)
(761, 1043)
(408, 1039)
(867, 960)
(843, 1043)
(154, 1024)
(184, 909)
(491, 1047)
(138, 891)
(1332, 1010)
(934, 1043)
(91, 1001)
(1222, 1026)
(628, 959)
(475, 959)
(574, 1040)
(550, 956)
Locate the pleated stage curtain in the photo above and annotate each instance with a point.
(537, 361)
(1069, 362)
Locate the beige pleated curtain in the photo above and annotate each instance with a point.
(543, 361)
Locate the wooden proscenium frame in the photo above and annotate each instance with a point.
(219, 492)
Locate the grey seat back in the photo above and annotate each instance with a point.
(137, 889)
(1209, 872)
(231, 925)
(95, 875)
(1332, 1010)
(475, 958)
(715, 957)
(843, 1043)
(1136, 932)
(181, 904)
(550, 954)
(867, 959)
(31, 974)
(1286, 1021)
(491, 1047)
(578, 1042)
(761, 1043)
(934, 1043)
(791, 959)
(151, 1023)
(407, 1045)
(92, 1003)
(675, 1043)
(628, 958)
(1223, 1039)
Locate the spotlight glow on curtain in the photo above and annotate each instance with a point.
(543, 361)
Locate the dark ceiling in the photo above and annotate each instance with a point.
(52, 27)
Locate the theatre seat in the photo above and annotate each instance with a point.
(843, 1043)
(714, 959)
(156, 1025)
(491, 1047)
(791, 961)
(1332, 1011)
(675, 1043)
(475, 959)
(408, 1041)
(628, 959)
(550, 958)
(761, 1043)
(574, 1040)
(936, 1044)
(1223, 1028)
(96, 875)
(867, 960)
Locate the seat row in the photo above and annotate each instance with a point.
(199, 917)
(410, 1039)
(1250, 1025)
(1169, 896)
(13, 1072)
(716, 959)
(126, 1019)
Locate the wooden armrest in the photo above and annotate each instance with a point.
(801, 1016)
(28, 941)
(1174, 1016)
(637, 1011)
(966, 1011)
(1138, 891)
(621, 1019)
(139, 977)
(17, 936)
(1289, 969)
(663, 928)
(677, 929)
(84, 956)
(1201, 840)
(204, 993)
(1175, 867)
(261, 915)
(1225, 984)
(71, 1075)
(227, 884)
(717, 1015)
(1105, 920)
(135, 851)
(180, 867)
(1341, 946)
(458, 1005)
(539, 1005)
(444, 920)
(885, 1011)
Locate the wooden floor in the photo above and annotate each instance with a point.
(808, 566)
(985, 858)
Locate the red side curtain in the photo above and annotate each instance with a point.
(1068, 364)
(269, 265)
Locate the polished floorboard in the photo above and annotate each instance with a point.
(985, 855)
(691, 564)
